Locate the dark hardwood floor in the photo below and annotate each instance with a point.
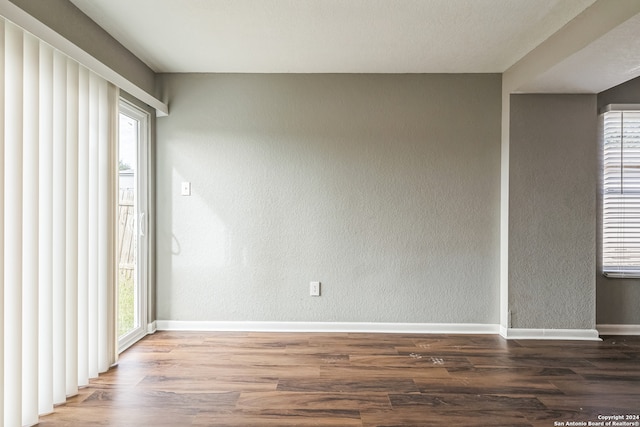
(314, 379)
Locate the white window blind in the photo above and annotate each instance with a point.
(58, 124)
(621, 194)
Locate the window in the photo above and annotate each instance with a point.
(621, 192)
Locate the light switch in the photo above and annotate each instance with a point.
(186, 189)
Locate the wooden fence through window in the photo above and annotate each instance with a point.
(126, 233)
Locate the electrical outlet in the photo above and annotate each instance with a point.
(314, 289)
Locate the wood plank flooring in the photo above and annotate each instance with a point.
(298, 379)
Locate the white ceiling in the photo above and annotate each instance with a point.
(331, 36)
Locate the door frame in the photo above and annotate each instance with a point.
(142, 224)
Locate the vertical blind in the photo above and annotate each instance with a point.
(621, 194)
(57, 265)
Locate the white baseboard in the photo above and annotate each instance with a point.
(151, 327)
(549, 334)
(618, 329)
(393, 328)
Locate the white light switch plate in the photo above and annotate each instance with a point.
(186, 189)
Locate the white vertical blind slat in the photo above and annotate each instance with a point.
(111, 105)
(45, 259)
(83, 226)
(72, 230)
(13, 227)
(103, 235)
(93, 227)
(2, 50)
(59, 226)
(107, 126)
(30, 233)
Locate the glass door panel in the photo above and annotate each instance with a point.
(132, 240)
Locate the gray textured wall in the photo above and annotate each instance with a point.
(552, 211)
(383, 187)
(617, 299)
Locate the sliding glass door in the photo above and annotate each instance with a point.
(132, 246)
